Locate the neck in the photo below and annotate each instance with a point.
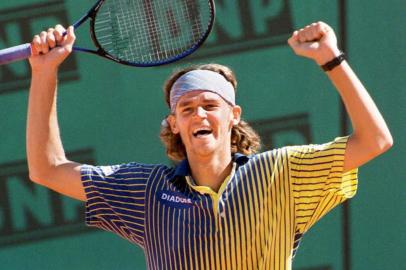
(210, 171)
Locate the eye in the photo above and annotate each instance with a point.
(210, 106)
(186, 110)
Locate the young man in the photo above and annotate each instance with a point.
(223, 206)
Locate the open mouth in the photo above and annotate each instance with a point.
(201, 132)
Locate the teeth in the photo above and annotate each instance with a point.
(201, 129)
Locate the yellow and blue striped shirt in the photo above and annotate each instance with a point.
(255, 220)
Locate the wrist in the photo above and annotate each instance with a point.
(333, 63)
(44, 71)
(327, 56)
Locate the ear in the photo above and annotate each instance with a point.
(171, 119)
(236, 114)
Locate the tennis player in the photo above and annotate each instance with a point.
(224, 206)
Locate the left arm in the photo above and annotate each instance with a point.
(371, 136)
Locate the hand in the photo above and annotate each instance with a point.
(50, 48)
(316, 41)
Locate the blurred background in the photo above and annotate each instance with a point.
(111, 114)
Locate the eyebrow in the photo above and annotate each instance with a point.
(184, 103)
(206, 100)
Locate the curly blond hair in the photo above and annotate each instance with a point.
(243, 137)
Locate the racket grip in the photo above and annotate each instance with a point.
(15, 53)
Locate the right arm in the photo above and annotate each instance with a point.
(47, 162)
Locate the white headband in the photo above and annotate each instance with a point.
(201, 80)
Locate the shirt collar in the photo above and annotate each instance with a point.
(183, 168)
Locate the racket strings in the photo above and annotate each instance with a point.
(151, 30)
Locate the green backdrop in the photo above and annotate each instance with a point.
(112, 114)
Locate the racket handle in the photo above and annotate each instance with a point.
(15, 53)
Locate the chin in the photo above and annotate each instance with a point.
(204, 150)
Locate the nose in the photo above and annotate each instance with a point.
(200, 112)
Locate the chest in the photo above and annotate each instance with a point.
(245, 202)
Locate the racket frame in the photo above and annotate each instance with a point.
(24, 51)
(92, 14)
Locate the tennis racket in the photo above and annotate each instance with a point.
(140, 32)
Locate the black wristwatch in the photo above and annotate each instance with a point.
(333, 63)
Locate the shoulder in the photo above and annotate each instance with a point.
(306, 151)
(273, 154)
(124, 170)
(266, 159)
(334, 147)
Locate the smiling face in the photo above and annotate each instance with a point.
(204, 121)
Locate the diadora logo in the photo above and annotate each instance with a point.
(174, 199)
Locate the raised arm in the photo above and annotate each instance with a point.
(371, 136)
(47, 162)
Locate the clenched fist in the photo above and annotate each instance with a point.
(50, 48)
(316, 41)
